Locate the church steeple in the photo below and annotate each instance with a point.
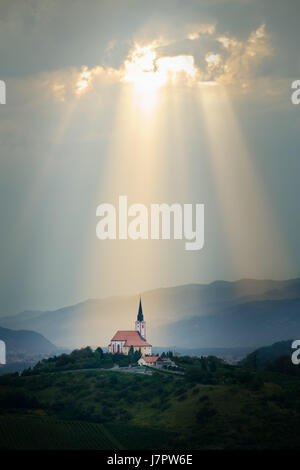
(140, 316)
(140, 324)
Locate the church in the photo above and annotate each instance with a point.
(123, 340)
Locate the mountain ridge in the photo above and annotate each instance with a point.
(247, 312)
(26, 341)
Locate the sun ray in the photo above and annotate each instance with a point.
(41, 182)
(254, 237)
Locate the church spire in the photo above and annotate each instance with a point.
(140, 316)
(140, 324)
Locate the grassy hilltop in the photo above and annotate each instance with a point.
(213, 406)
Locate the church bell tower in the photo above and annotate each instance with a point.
(140, 324)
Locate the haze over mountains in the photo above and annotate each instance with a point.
(28, 342)
(243, 313)
(24, 348)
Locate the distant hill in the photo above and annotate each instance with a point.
(260, 356)
(242, 324)
(245, 313)
(25, 342)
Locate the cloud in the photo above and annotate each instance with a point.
(67, 83)
(243, 58)
(227, 61)
(146, 71)
(201, 29)
(233, 62)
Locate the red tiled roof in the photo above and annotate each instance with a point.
(131, 338)
(151, 358)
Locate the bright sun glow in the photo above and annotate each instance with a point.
(148, 73)
(83, 81)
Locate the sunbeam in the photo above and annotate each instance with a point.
(254, 238)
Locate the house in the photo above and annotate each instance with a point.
(122, 341)
(150, 361)
(156, 361)
(167, 362)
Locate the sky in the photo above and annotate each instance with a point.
(164, 101)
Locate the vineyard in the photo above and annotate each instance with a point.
(27, 433)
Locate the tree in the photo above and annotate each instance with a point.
(137, 355)
(99, 351)
(203, 363)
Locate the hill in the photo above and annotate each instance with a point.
(213, 406)
(261, 356)
(24, 348)
(243, 313)
(240, 325)
(27, 342)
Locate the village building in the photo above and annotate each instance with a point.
(156, 361)
(167, 362)
(122, 341)
(150, 361)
